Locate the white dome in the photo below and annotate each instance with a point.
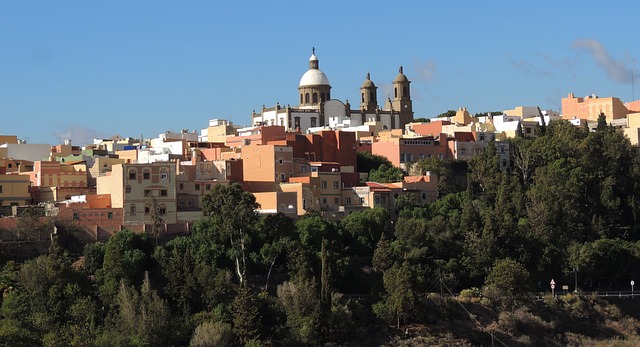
(314, 77)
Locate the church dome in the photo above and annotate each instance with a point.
(313, 76)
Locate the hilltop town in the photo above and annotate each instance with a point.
(293, 159)
(330, 224)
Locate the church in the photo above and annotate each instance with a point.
(318, 111)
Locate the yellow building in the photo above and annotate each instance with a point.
(14, 190)
(218, 130)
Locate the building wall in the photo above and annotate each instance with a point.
(590, 108)
(14, 190)
(25, 151)
(267, 163)
(143, 183)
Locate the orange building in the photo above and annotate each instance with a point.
(590, 107)
(54, 181)
(403, 150)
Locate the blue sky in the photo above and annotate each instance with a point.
(85, 69)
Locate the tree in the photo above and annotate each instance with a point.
(449, 114)
(210, 334)
(509, 278)
(246, 317)
(301, 304)
(365, 161)
(157, 223)
(277, 233)
(399, 302)
(386, 174)
(365, 228)
(231, 212)
(126, 258)
(602, 122)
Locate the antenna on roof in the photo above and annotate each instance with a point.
(633, 90)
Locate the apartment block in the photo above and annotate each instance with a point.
(134, 186)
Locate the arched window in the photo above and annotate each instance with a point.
(395, 92)
(306, 98)
(362, 97)
(301, 98)
(315, 98)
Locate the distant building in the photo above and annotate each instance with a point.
(318, 110)
(591, 106)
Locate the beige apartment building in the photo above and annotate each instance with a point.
(134, 186)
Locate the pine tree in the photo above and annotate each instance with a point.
(246, 317)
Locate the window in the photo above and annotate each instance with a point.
(0, 189)
(324, 201)
(336, 185)
(313, 122)
(324, 184)
(109, 215)
(181, 186)
(197, 187)
(162, 211)
(347, 201)
(146, 175)
(132, 209)
(147, 210)
(296, 122)
(528, 130)
(306, 98)
(208, 187)
(132, 175)
(127, 189)
(283, 177)
(315, 98)
(280, 161)
(164, 176)
(301, 98)
(10, 165)
(163, 192)
(147, 192)
(362, 97)
(336, 201)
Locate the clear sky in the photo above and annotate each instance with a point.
(85, 69)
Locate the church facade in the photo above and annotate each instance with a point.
(317, 110)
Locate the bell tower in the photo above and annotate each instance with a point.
(368, 95)
(402, 98)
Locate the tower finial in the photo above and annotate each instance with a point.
(400, 69)
(313, 50)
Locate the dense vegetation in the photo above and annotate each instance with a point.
(570, 201)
